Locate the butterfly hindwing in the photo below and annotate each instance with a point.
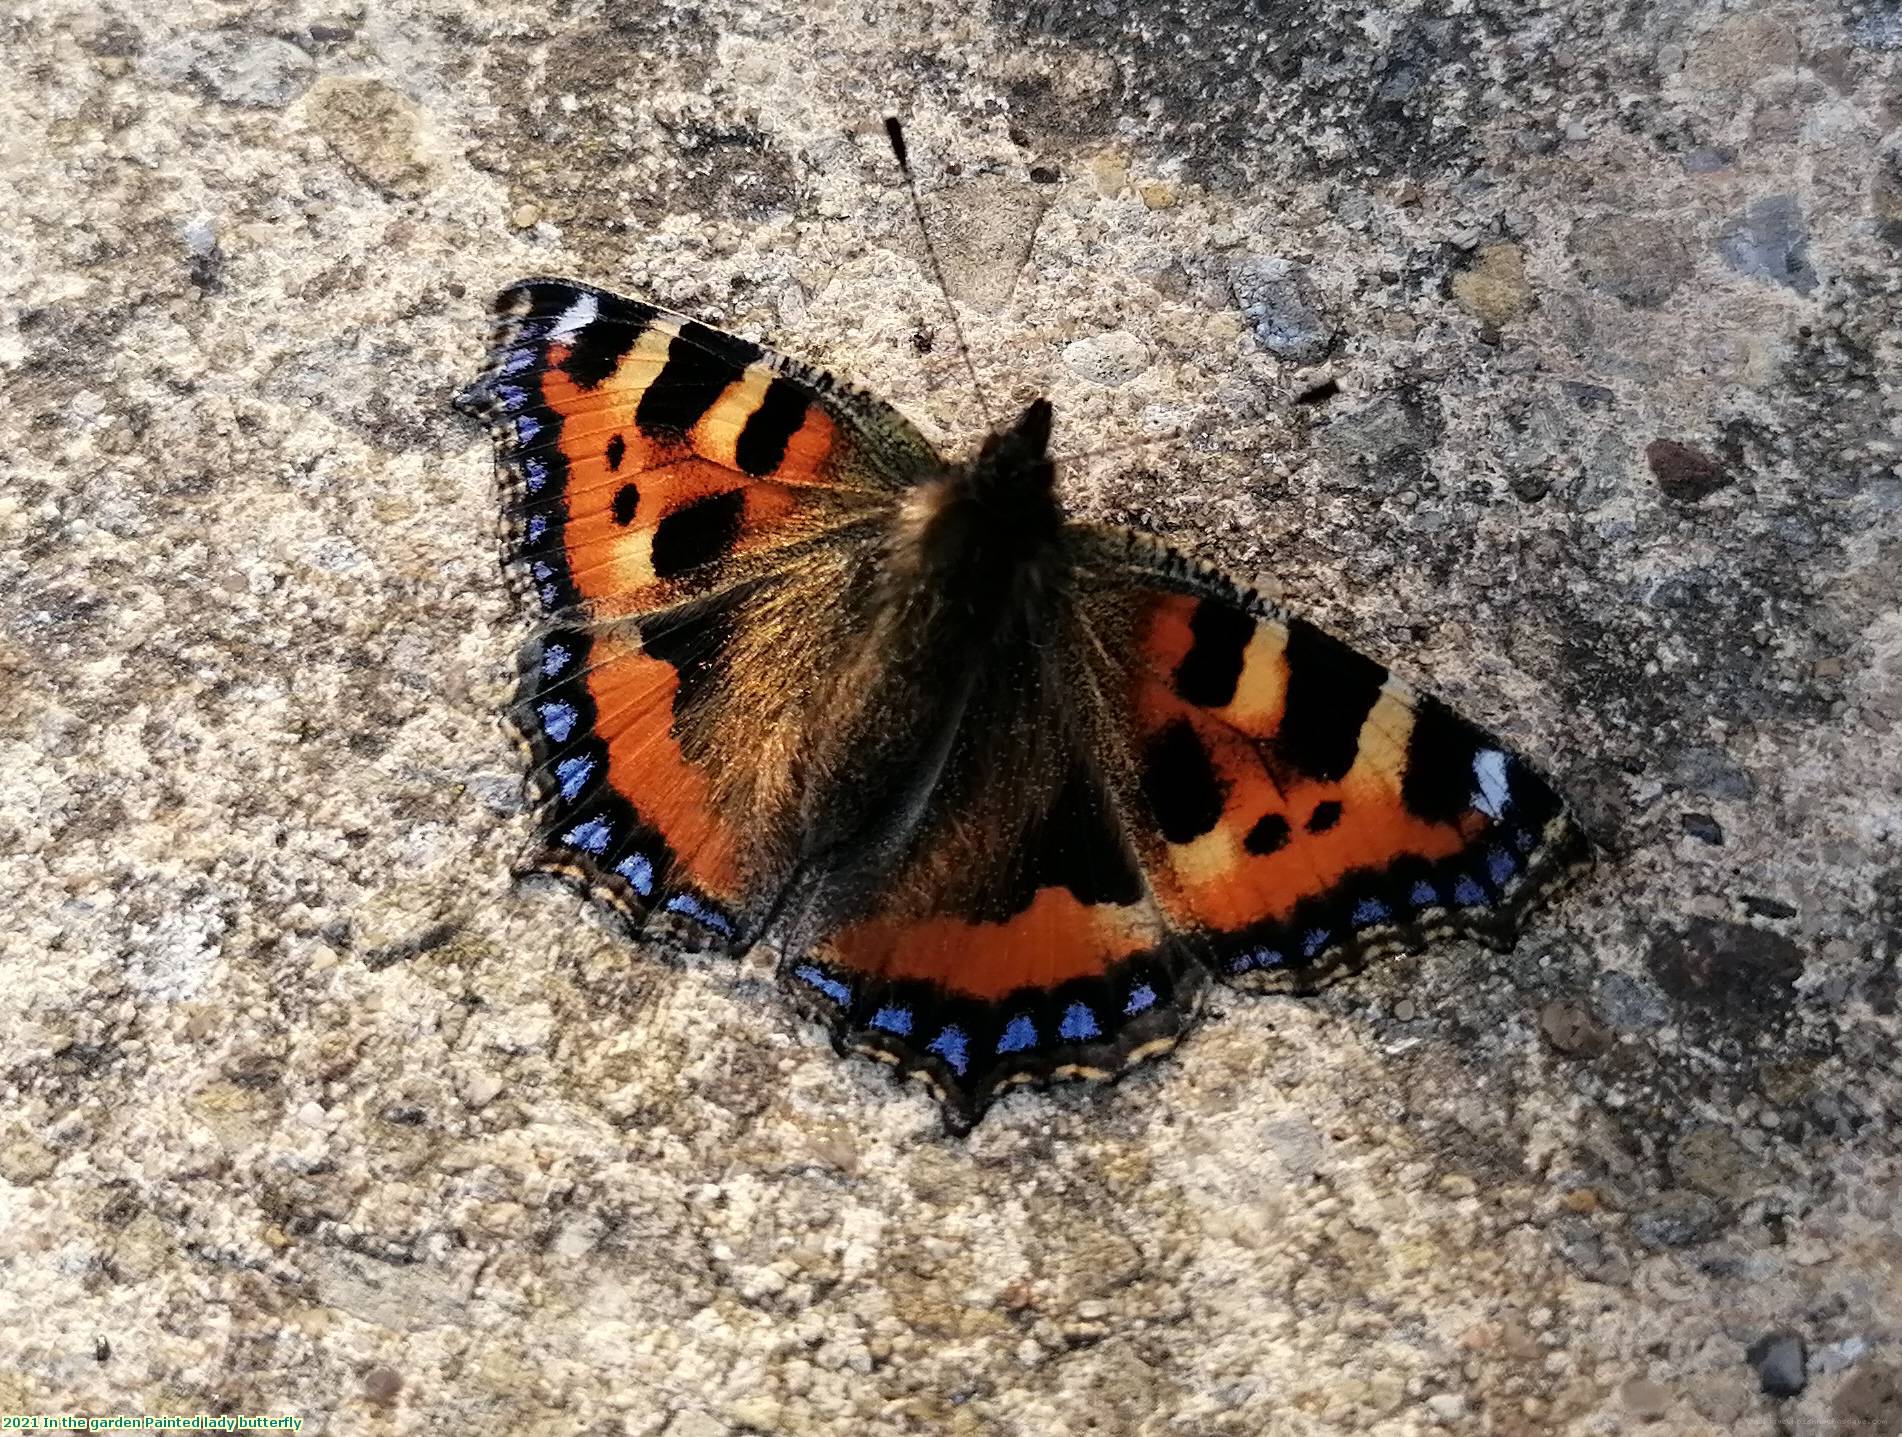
(1306, 809)
(1012, 937)
(672, 493)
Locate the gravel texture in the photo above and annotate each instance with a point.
(1551, 354)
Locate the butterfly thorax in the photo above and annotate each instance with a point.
(978, 542)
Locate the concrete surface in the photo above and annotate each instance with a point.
(1549, 353)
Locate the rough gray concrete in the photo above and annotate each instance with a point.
(1550, 354)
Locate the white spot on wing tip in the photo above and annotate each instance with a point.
(575, 318)
(1489, 772)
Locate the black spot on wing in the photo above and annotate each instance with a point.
(762, 442)
(1180, 783)
(627, 499)
(701, 363)
(698, 533)
(693, 641)
(617, 451)
(1267, 836)
(1324, 817)
(1438, 783)
(1331, 690)
(1212, 668)
(596, 352)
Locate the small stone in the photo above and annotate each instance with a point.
(1678, 1218)
(381, 1385)
(1493, 289)
(1447, 1406)
(375, 131)
(1156, 195)
(1645, 1399)
(1637, 260)
(1770, 241)
(525, 216)
(481, 1090)
(312, 1115)
(1684, 474)
(1281, 306)
(1702, 827)
(1107, 359)
(1109, 174)
(1711, 1161)
(1574, 1030)
(756, 1414)
(1780, 1359)
(1404, 1011)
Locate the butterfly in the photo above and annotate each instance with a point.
(1003, 792)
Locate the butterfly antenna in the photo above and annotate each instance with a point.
(896, 134)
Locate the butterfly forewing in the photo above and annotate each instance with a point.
(672, 494)
(1304, 808)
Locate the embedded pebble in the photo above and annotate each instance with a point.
(1282, 307)
(1780, 1360)
(1107, 359)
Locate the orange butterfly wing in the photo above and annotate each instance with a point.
(1306, 809)
(664, 484)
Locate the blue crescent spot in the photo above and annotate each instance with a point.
(691, 907)
(1078, 1023)
(558, 720)
(893, 1020)
(589, 837)
(516, 360)
(1314, 942)
(1424, 894)
(638, 870)
(952, 1046)
(1501, 865)
(551, 596)
(512, 396)
(815, 977)
(573, 773)
(534, 474)
(1369, 911)
(1489, 773)
(1468, 894)
(1141, 997)
(1523, 840)
(1257, 958)
(542, 571)
(1019, 1033)
(526, 429)
(537, 527)
(554, 659)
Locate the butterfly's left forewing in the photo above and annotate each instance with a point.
(683, 507)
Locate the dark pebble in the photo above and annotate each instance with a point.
(1780, 1359)
(1702, 826)
(1683, 473)
(1574, 1030)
